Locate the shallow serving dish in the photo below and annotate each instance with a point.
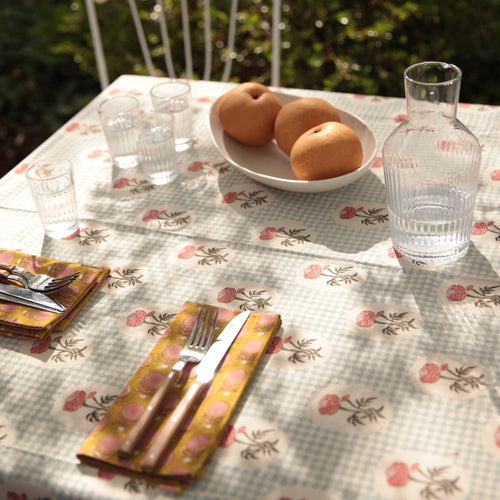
(269, 165)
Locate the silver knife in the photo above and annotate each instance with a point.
(205, 372)
(25, 297)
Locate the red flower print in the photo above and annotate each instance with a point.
(270, 233)
(312, 272)
(138, 317)
(230, 435)
(40, 346)
(429, 373)
(96, 153)
(187, 252)
(329, 404)
(75, 401)
(122, 182)
(377, 163)
(196, 166)
(394, 254)
(400, 118)
(230, 197)
(348, 213)
(479, 228)
(21, 168)
(275, 346)
(151, 215)
(72, 126)
(226, 295)
(456, 293)
(495, 175)
(497, 437)
(398, 474)
(365, 319)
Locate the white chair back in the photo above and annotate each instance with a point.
(101, 59)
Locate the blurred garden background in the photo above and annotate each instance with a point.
(48, 72)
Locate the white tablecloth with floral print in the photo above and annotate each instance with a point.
(383, 382)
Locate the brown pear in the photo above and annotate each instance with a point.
(328, 150)
(300, 115)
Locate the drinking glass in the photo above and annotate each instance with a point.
(156, 146)
(53, 189)
(174, 96)
(117, 117)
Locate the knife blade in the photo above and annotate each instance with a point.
(18, 295)
(205, 372)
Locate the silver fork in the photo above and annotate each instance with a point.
(42, 283)
(196, 346)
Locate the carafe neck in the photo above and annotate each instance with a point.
(432, 88)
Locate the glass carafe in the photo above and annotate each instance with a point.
(431, 168)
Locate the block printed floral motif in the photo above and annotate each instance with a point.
(82, 128)
(436, 481)
(94, 406)
(252, 443)
(125, 277)
(245, 199)
(362, 215)
(133, 185)
(491, 227)
(299, 351)
(207, 255)
(88, 236)
(415, 476)
(60, 349)
(172, 219)
(155, 323)
(350, 408)
(82, 407)
(249, 298)
(484, 295)
(334, 275)
(451, 377)
(248, 197)
(387, 320)
(288, 235)
(210, 169)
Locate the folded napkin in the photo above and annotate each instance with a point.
(34, 324)
(201, 436)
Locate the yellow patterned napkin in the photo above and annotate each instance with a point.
(32, 324)
(188, 459)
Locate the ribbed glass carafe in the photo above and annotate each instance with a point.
(431, 168)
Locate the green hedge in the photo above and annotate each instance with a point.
(48, 68)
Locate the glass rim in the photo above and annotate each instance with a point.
(166, 117)
(134, 102)
(433, 64)
(165, 129)
(184, 83)
(59, 161)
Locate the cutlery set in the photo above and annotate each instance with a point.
(34, 289)
(200, 349)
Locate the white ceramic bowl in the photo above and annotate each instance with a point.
(269, 165)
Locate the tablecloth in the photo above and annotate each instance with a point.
(381, 384)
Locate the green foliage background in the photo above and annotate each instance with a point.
(47, 67)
